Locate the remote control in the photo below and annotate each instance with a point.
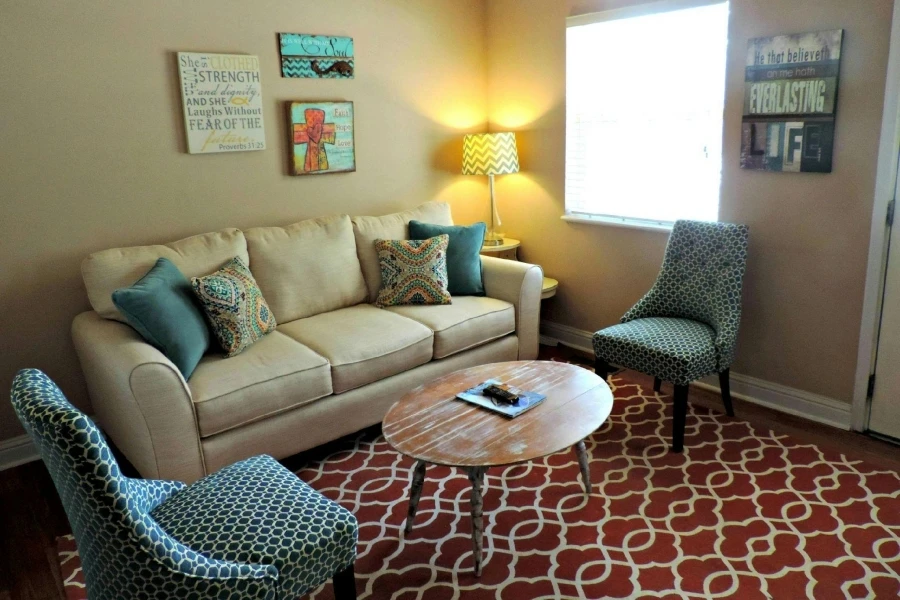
(501, 393)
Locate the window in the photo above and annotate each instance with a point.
(644, 102)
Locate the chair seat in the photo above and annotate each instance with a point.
(676, 350)
(256, 511)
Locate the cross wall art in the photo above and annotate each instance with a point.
(321, 137)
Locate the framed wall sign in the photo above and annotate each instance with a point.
(790, 100)
(321, 137)
(316, 56)
(222, 98)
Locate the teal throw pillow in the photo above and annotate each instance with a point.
(162, 307)
(463, 254)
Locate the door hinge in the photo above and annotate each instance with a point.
(890, 213)
(870, 391)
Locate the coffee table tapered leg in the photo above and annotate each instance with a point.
(585, 466)
(476, 476)
(415, 492)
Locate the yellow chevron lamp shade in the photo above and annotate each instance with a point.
(490, 154)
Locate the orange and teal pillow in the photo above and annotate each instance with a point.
(234, 306)
(413, 271)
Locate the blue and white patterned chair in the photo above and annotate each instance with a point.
(251, 530)
(686, 326)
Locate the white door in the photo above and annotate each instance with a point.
(884, 417)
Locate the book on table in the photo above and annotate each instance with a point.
(526, 401)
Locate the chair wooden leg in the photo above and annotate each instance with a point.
(678, 417)
(602, 368)
(657, 384)
(725, 384)
(345, 584)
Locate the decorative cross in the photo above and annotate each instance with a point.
(315, 133)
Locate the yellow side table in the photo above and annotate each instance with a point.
(509, 250)
(549, 289)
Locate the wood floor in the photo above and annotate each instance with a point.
(31, 516)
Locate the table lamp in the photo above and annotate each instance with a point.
(491, 154)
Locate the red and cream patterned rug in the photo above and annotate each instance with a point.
(743, 513)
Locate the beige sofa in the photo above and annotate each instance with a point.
(333, 366)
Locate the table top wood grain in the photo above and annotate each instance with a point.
(430, 424)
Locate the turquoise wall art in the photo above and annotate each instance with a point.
(316, 56)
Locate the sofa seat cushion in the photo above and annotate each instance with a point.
(363, 343)
(273, 375)
(470, 321)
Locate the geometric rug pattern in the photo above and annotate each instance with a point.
(743, 513)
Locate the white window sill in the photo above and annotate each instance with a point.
(619, 222)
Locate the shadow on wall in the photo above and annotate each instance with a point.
(42, 340)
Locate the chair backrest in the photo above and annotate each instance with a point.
(701, 279)
(109, 519)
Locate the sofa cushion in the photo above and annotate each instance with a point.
(273, 375)
(470, 321)
(108, 270)
(307, 268)
(363, 343)
(390, 227)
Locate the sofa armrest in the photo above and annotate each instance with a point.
(519, 284)
(140, 399)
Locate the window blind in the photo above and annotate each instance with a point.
(644, 103)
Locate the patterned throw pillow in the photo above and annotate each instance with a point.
(234, 306)
(413, 271)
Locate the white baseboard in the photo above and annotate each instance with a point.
(808, 405)
(567, 336)
(17, 451)
(548, 341)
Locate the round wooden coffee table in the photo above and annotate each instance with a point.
(431, 426)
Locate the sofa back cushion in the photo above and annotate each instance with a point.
(306, 268)
(391, 227)
(108, 270)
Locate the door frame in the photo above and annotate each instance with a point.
(885, 186)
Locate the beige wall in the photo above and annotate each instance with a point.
(93, 151)
(809, 233)
(93, 157)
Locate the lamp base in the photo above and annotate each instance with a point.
(492, 238)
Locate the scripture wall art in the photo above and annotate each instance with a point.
(790, 97)
(321, 136)
(222, 98)
(316, 56)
